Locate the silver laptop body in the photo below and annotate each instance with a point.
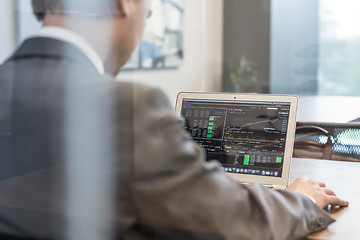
(251, 135)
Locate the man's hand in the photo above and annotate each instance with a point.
(318, 191)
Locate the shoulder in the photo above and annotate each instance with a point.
(139, 89)
(141, 95)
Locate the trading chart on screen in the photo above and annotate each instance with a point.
(245, 137)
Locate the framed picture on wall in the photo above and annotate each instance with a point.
(162, 44)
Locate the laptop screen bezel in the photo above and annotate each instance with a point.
(292, 99)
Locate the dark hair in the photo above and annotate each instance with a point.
(83, 7)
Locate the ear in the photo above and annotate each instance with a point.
(123, 7)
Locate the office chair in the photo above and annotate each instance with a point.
(331, 141)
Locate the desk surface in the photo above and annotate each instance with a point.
(321, 109)
(344, 179)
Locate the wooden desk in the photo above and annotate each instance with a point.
(344, 179)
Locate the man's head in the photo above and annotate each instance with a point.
(112, 27)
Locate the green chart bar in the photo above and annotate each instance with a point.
(246, 160)
(183, 121)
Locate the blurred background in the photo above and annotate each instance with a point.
(310, 48)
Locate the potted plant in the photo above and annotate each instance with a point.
(241, 73)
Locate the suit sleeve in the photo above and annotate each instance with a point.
(180, 196)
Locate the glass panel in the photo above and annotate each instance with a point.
(270, 46)
(73, 139)
(303, 47)
(339, 48)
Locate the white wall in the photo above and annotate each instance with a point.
(201, 69)
(29, 25)
(7, 29)
(214, 45)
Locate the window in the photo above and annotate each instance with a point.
(304, 47)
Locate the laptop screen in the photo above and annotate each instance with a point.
(246, 137)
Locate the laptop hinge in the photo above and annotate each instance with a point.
(281, 187)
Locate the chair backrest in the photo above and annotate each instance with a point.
(333, 141)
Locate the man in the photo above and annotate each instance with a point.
(128, 169)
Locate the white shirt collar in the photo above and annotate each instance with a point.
(74, 39)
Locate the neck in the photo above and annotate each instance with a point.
(98, 32)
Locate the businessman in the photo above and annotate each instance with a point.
(148, 178)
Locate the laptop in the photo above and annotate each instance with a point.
(251, 135)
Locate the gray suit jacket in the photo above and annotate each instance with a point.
(124, 141)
